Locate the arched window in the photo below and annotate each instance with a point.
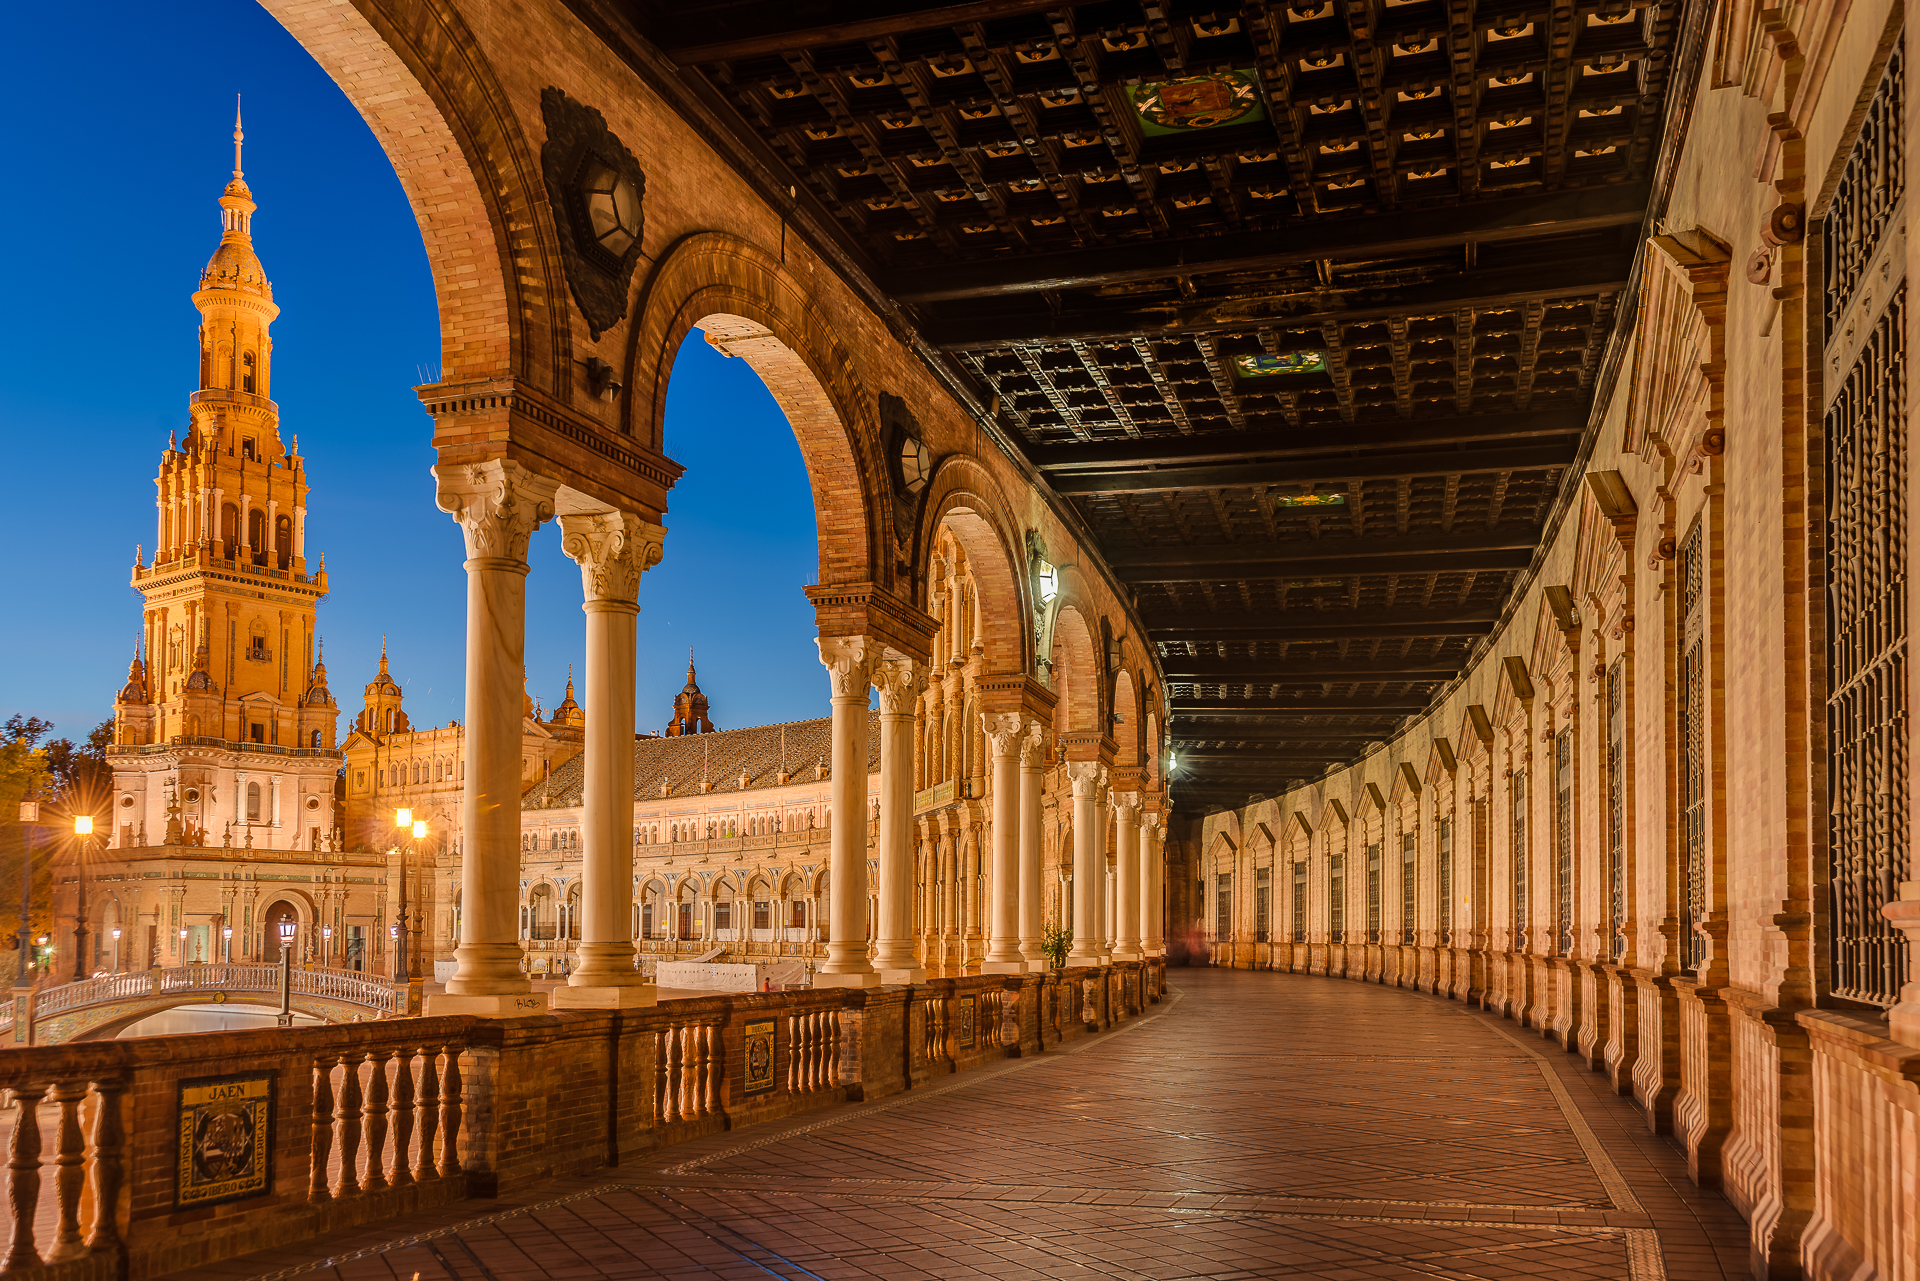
(316, 738)
(283, 542)
(230, 530)
(246, 372)
(257, 531)
(253, 802)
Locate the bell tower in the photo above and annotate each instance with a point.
(231, 666)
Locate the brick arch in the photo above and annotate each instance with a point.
(1076, 673)
(963, 499)
(1126, 731)
(749, 306)
(417, 77)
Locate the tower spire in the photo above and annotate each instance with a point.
(238, 137)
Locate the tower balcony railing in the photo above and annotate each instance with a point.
(228, 396)
(229, 744)
(228, 558)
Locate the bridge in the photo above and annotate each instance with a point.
(98, 1008)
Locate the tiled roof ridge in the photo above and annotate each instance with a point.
(723, 755)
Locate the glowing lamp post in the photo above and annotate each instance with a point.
(83, 838)
(287, 928)
(116, 949)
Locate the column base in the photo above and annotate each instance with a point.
(1124, 953)
(894, 978)
(624, 996)
(867, 979)
(1084, 962)
(1003, 967)
(510, 1005)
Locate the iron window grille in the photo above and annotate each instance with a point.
(1223, 908)
(1693, 749)
(1520, 858)
(1616, 810)
(1373, 893)
(1866, 553)
(1299, 902)
(1337, 898)
(1408, 847)
(1445, 894)
(1262, 898)
(1563, 841)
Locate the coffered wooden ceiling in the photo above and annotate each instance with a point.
(1205, 262)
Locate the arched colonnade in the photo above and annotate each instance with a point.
(555, 364)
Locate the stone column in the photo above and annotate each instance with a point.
(1126, 867)
(1032, 786)
(1005, 732)
(1153, 888)
(1089, 865)
(849, 664)
(613, 549)
(498, 505)
(898, 680)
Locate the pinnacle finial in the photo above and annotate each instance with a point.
(383, 655)
(238, 136)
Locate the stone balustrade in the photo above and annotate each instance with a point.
(382, 1118)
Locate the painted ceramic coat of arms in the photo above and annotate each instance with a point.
(1197, 102)
(225, 1140)
(969, 1005)
(759, 1052)
(1293, 362)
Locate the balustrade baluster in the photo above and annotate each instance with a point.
(402, 1118)
(70, 1175)
(818, 1050)
(677, 1082)
(450, 1103)
(802, 1051)
(662, 1099)
(23, 1181)
(107, 1159)
(715, 1062)
(376, 1177)
(428, 1110)
(319, 1184)
(793, 1052)
(351, 1115)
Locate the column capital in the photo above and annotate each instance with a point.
(1033, 745)
(498, 504)
(1151, 820)
(1128, 801)
(1087, 777)
(899, 680)
(849, 661)
(613, 549)
(1004, 730)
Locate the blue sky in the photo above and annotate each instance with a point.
(120, 146)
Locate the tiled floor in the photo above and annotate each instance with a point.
(1260, 1125)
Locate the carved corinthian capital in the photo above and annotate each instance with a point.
(498, 503)
(1087, 777)
(849, 663)
(1124, 802)
(1003, 730)
(1033, 744)
(898, 680)
(612, 549)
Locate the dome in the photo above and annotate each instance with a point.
(234, 265)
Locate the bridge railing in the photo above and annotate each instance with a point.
(352, 987)
(296, 1132)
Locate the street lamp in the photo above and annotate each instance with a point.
(116, 949)
(29, 817)
(226, 936)
(183, 946)
(326, 945)
(286, 972)
(403, 959)
(83, 837)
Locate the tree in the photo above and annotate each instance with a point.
(23, 772)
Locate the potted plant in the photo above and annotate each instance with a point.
(1055, 943)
